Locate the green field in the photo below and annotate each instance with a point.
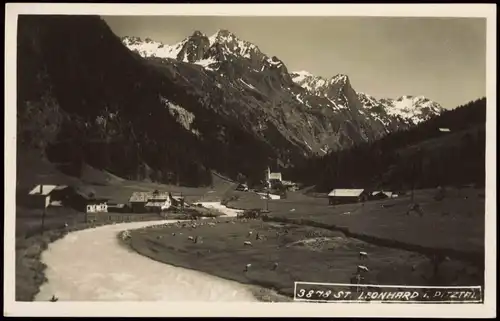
(303, 253)
(400, 246)
(455, 223)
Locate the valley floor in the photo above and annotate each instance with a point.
(303, 251)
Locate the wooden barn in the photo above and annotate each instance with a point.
(346, 196)
(143, 202)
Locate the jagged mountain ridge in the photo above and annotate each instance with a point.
(335, 115)
(412, 109)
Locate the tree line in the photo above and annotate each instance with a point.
(422, 155)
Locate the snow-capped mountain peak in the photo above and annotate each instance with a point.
(308, 81)
(340, 78)
(299, 76)
(222, 36)
(413, 109)
(151, 48)
(198, 33)
(232, 44)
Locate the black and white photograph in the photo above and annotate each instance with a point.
(184, 154)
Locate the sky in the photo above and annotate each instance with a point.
(443, 59)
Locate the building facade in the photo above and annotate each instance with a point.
(96, 207)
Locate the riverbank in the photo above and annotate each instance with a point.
(116, 273)
(30, 270)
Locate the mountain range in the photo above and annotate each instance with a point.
(334, 98)
(141, 109)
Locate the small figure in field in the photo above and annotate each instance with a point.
(363, 255)
(247, 267)
(440, 194)
(275, 266)
(357, 278)
(53, 299)
(362, 268)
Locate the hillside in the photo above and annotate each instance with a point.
(423, 155)
(83, 97)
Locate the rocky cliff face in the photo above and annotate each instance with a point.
(314, 114)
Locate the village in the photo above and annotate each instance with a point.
(85, 200)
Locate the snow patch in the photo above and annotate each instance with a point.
(308, 146)
(206, 63)
(183, 116)
(154, 48)
(248, 85)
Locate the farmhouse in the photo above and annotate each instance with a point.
(155, 201)
(84, 199)
(42, 195)
(344, 196)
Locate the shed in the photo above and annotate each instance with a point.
(41, 195)
(344, 196)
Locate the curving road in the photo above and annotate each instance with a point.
(92, 265)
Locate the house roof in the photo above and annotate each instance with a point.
(341, 192)
(46, 189)
(144, 197)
